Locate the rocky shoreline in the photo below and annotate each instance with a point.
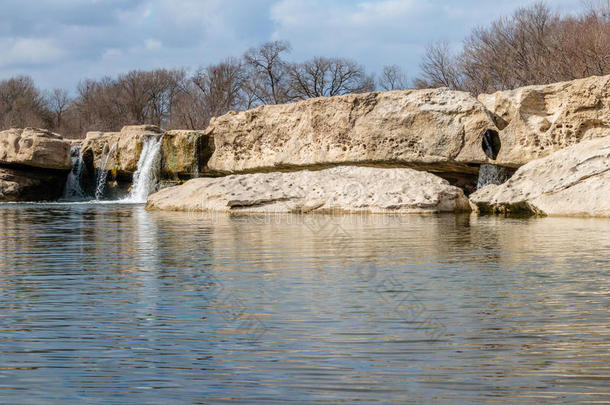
(414, 151)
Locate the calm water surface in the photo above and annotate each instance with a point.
(114, 304)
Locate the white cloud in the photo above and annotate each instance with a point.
(59, 42)
(153, 45)
(30, 51)
(112, 53)
(383, 11)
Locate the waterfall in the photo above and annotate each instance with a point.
(492, 174)
(147, 175)
(73, 189)
(195, 171)
(102, 174)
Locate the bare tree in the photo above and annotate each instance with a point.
(393, 78)
(535, 45)
(327, 77)
(221, 86)
(22, 104)
(210, 92)
(163, 86)
(58, 102)
(512, 52)
(268, 72)
(134, 87)
(439, 68)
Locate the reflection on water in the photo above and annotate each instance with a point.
(113, 304)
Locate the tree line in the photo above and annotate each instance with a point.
(534, 45)
(176, 99)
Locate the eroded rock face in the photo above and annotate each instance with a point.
(117, 151)
(436, 130)
(27, 185)
(34, 147)
(344, 189)
(184, 153)
(538, 120)
(34, 164)
(574, 181)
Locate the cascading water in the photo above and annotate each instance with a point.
(492, 174)
(147, 175)
(102, 174)
(73, 189)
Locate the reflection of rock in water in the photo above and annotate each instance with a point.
(492, 174)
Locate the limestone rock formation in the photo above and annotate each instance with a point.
(34, 147)
(344, 189)
(30, 185)
(538, 120)
(34, 164)
(117, 151)
(183, 153)
(436, 130)
(574, 181)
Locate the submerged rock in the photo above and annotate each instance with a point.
(574, 181)
(535, 121)
(436, 130)
(337, 190)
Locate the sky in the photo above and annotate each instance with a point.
(59, 42)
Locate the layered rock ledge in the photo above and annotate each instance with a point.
(436, 130)
(535, 121)
(574, 181)
(345, 189)
(33, 147)
(34, 164)
(184, 153)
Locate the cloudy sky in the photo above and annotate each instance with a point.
(59, 42)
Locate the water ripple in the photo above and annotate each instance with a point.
(104, 303)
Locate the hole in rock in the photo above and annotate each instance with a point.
(491, 143)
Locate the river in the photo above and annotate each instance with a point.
(110, 303)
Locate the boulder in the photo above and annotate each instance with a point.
(34, 164)
(574, 181)
(538, 120)
(436, 130)
(344, 189)
(32, 147)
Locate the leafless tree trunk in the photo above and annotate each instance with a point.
(393, 78)
(268, 72)
(327, 77)
(58, 102)
(439, 68)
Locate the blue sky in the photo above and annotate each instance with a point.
(59, 42)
